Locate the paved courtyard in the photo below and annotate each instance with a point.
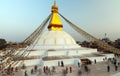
(98, 69)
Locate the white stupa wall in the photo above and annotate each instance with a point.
(100, 58)
(62, 52)
(65, 61)
(80, 52)
(36, 53)
(49, 63)
(57, 53)
(32, 62)
(86, 51)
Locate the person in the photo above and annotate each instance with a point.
(105, 58)
(95, 61)
(31, 71)
(116, 67)
(86, 68)
(64, 72)
(70, 69)
(66, 69)
(44, 69)
(26, 73)
(35, 68)
(53, 69)
(62, 64)
(23, 66)
(108, 68)
(12, 69)
(16, 69)
(78, 64)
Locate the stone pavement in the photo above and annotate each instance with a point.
(98, 69)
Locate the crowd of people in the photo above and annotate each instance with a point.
(65, 70)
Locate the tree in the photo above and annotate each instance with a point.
(2, 43)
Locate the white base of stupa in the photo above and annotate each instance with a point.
(71, 61)
(49, 63)
(57, 53)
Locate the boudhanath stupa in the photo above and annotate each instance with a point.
(56, 45)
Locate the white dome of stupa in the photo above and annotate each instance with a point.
(55, 40)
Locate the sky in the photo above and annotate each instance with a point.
(19, 18)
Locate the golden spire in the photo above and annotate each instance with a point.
(54, 2)
(55, 22)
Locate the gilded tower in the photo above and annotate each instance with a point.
(55, 22)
